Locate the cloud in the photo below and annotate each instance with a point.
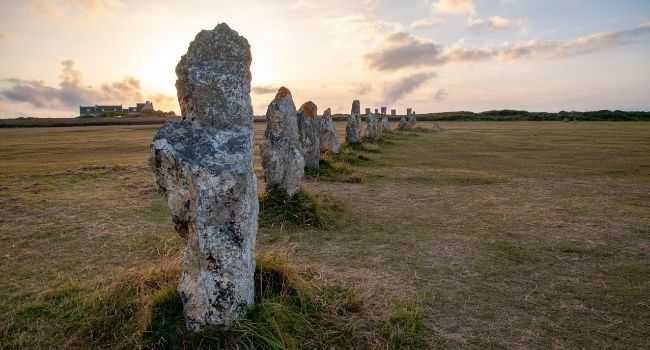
(440, 95)
(497, 23)
(404, 86)
(72, 91)
(59, 9)
(455, 7)
(264, 89)
(361, 89)
(552, 49)
(403, 50)
(6, 37)
(426, 23)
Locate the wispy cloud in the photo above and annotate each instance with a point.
(403, 50)
(497, 23)
(440, 95)
(264, 89)
(426, 23)
(58, 9)
(72, 91)
(6, 37)
(404, 86)
(457, 7)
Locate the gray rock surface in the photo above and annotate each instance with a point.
(309, 131)
(411, 121)
(329, 139)
(214, 79)
(383, 110)
(385, 123)
(204, 168)
(408, 112)
(393, 112)
(403, 124)
(353, 127)
(280, 149)
(371, 129)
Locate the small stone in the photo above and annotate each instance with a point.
(393, 112)
(280, 149)
(383, 110)
(353, 127)
(309, 133)
(408, 112)
(329, 139)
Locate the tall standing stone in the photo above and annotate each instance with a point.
(367, 110)
(309, 133)
(280, 149)
(371, 130)
(403, 124)
(329, 139)
(393, 112)
(383, 110)
(411, 120)
(385, 124)
(353, 127)
(408, 112)
(204, 168)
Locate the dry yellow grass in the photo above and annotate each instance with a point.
(508, 235)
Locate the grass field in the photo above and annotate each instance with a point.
(502, 235)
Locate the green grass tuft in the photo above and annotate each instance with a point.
(333, 171)
(404, 328)
(300, 210)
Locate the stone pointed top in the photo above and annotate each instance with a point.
(309, 109)
(282, 92)
(356, 107)
(214, 79)
(327, 113)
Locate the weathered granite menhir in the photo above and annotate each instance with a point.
(280, 149)
(204, 168)
(353, 127)
(329, 139)
(309, 133)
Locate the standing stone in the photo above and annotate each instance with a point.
(411, 120)
(385, 124)
(376, 111)
(367, 110)
(329, 139)
(353, 127)
(393, 112)
(204, 169)
(383, 110)
(309, 133)
(408, 112)
(403, 124)
(371, 130)
(378, 128)
(280, 150)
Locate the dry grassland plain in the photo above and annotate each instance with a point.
(504, 234)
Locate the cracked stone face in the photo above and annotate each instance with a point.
(329, 139)
(204, 168)
(280, 150)
(353, 126)
(308, 129)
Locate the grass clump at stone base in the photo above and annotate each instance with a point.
(290, 312)
(300, 210)
(332, 170)
(360, 147)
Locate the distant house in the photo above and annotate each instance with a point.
(144, 107)
(93, 111)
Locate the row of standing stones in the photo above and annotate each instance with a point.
(203, 166)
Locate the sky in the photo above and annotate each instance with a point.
(430, 55)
